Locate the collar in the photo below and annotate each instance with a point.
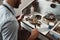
(12, 9)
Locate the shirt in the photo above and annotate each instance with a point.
(8, 23)
(11, 8)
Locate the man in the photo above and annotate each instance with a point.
(8, 22)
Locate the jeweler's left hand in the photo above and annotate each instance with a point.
(20, 17)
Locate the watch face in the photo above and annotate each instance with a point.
(53, 5)
(51, 17)
(49, 6)
(38, 17)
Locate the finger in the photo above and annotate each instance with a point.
(18, 16)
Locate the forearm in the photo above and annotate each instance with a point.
(31, 38)
(34, 34)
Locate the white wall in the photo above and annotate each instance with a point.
(24, 3)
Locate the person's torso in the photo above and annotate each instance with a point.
(11, 32)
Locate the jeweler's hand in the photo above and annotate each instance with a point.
(34, 34)
(20, 17)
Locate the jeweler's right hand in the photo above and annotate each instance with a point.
(34, 34)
